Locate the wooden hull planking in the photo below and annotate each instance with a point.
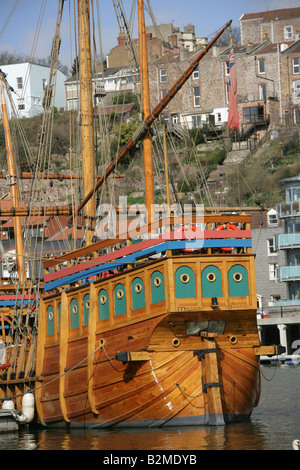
(207, 378)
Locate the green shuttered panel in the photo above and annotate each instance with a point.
(211, 282)
(86, 309)
(50, 321)
(157, 287)
(120, 299)
(185, 287)
(103, 304)
(74, 314)
(238, 281)
(138, 293)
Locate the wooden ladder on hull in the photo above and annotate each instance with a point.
(211, 383)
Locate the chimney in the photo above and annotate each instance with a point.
(173, 40)
(183, 53)
(120, 41)
(215, 51)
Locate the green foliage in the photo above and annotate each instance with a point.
(197, 136)
(122, 133)
(291, 144)
(216, 157)
(123, 98)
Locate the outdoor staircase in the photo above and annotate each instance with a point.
(177, 130)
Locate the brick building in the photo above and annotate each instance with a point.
(268, 77)
(277, 25)
(123, 55)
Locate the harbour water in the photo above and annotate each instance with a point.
(274, 424)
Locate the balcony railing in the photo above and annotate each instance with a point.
(288, 209)
(288, 273)
(287, 240)
(286, 303)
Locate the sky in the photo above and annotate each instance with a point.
(17, 32)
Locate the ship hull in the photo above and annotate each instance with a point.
(169, 363)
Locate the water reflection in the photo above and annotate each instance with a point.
(241, 436)
(274, 424)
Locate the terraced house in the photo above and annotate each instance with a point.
(267, 71)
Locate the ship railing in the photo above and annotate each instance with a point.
(164, 236)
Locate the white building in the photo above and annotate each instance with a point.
(28, 82)
(115, 80)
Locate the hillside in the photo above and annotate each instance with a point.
(258, 179)
(189, 165)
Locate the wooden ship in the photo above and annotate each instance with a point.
(154, 330)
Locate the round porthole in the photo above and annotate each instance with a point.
(74, 309)
(87, 304)
(120, 294)
(50, 315)
(211, 277)
(138, 288)
(157, 281)
(102, 299)
(237, 277)
(233, 339)
(185, 278)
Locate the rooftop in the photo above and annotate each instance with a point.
(272, 15)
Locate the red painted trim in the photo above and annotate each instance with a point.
(16, 297)
(206, 234)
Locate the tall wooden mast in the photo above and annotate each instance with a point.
(147, 139)
(86, 110)
(13, 186)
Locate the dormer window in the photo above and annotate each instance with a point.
(272, 218)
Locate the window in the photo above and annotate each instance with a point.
(196, 74)
(19, 82)
(272, 271)
(286, 117)
(196, 92)
(72, 104)
(253, 114)
(263, 91)
(261, 65)
(296, 88)
(226, 65)
(21, 105)
(271, 247)
(272, 218)
(165, 118)
(175, 118)
(196, 121)
(163, 76)
(163, 94)
(288, 32)
(296, 68)
(44, 81)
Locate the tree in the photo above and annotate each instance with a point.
(126, 98)
(75, 67)
(224, 40)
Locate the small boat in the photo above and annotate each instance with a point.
(296, 444)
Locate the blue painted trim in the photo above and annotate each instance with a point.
(170, 245)
(3, 303)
